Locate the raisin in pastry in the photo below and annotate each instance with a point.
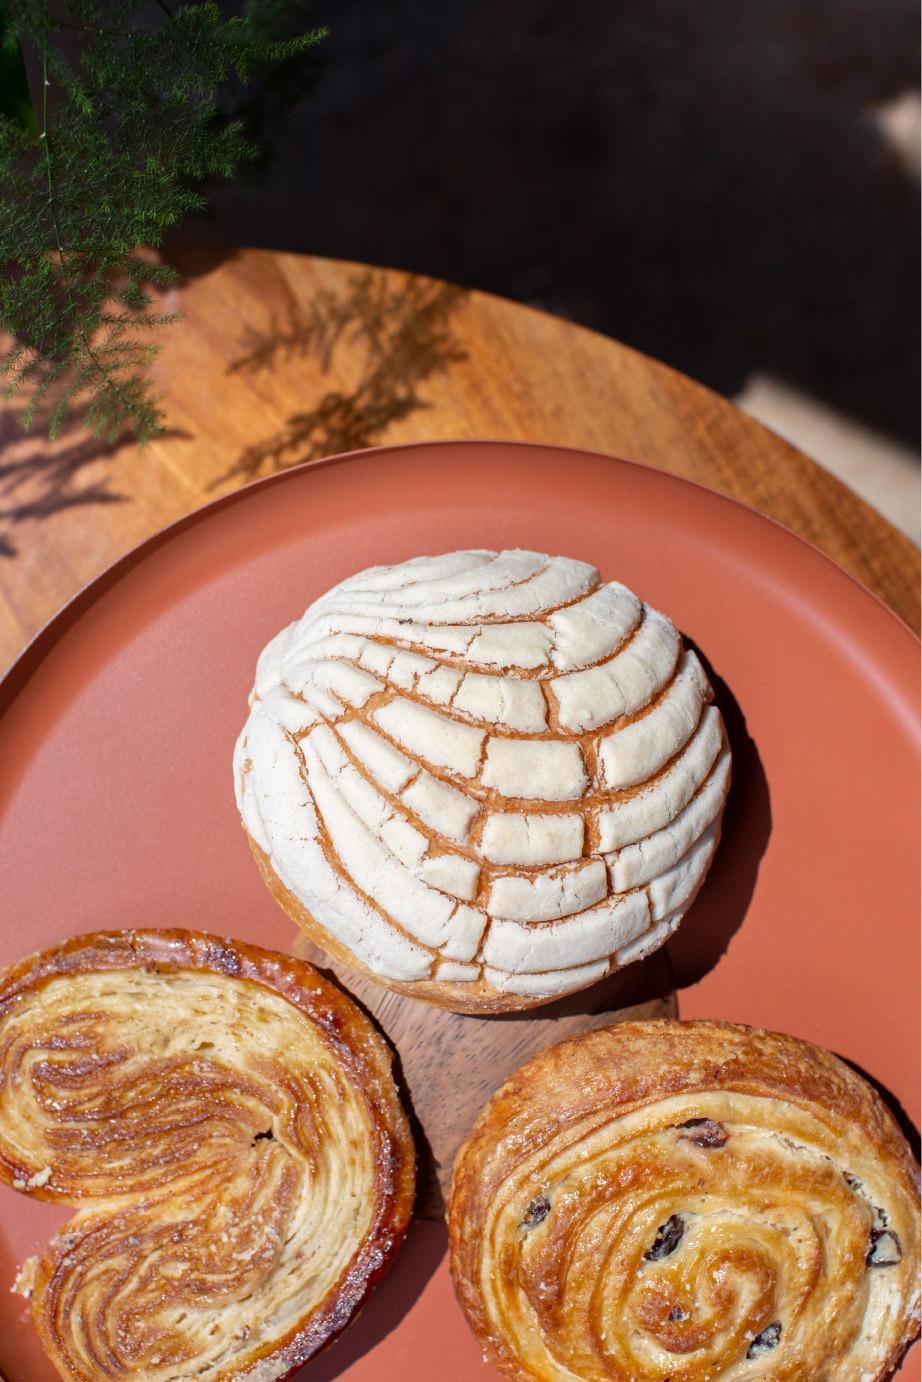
(227, 1123)
(484, 779)
(687, 1201)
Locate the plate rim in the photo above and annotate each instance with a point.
(44, 639)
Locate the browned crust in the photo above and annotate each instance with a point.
(623, 1067)
(345, 1029)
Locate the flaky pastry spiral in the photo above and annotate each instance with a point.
(486, 779)
(674, 1202)
(228, 1124)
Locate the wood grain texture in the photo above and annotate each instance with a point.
(283, 358)
(450, 1064)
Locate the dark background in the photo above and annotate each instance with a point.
(703, 179)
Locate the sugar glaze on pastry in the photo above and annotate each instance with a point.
(695, 1201)
(227, 1123)
(487, 779)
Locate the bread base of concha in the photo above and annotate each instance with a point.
(475, 999)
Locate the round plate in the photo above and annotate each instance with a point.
(118, 724)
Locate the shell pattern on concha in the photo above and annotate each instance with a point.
(485, 769)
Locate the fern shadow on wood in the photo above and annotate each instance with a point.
(35, 483)
(407, 338)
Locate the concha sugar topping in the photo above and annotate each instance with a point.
(488, 776)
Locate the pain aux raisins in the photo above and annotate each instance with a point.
(764, 1343)
(668, 1237)
(537, 1211)
(705, 1132)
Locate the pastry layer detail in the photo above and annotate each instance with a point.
(687, 1202)
(227, 1123)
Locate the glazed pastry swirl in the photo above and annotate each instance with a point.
(485, 778)
(228, 1123)
(686, 1202)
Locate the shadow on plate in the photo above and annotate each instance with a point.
(906, 1126)
(721, 905)
(390, 1302)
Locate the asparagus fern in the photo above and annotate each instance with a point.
(100, 158)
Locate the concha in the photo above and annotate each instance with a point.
(485, 779)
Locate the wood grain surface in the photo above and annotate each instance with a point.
(282, 358)
(449, 1064)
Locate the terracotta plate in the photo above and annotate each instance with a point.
(118, 725)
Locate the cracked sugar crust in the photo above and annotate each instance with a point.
(486, 779)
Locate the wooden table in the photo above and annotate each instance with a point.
(282, 358)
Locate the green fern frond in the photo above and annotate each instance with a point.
(102, 160)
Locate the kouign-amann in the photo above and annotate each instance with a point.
(486, 778)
